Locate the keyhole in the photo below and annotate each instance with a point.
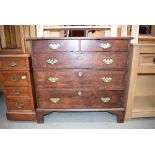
(153, 60)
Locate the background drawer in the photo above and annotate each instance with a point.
(95, 45)
(15, 63)
(80, 79)
(85, 99)
(147, 63)
(55, 45)
(17, 91)
(19, 103)
(80, 60)
(147, 49)
(16, 78)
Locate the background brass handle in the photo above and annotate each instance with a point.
(15, 78)
(19, 106)
(54, 100)
(52, 79)
(54, 46)
(153, 61)
(105, 45)
(105, 99)
(13, 63)
(107, 79)
(108, 61)
(16, 91)
(79, 93)
(52, 61)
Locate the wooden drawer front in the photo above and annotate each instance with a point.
(16, 78)
(147, 49)
(79, 99)
(80, 79)
(80, 60)
(104, 45)
(14, 63)
(17, 91)
(19, 104)
(55, 45)
(147, 63)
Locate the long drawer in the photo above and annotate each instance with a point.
(79, 99)
(14, 63)
(19, 103)
(80, 79)
(17, 91)
(15, 78)
(104, 45)
(80, 60)
(55, 45)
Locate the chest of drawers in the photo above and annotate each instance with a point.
(18, 87)
(80, 74)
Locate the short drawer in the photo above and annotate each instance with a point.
(55, 45)
(17, 91)
(90, 60)
(79, 99)
(147, 63)
(104, 45)
(80, 79)
(15, 63)
(147, 49)
(16, 78)
(19, 103)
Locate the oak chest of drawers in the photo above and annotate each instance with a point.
(80, 74)
(18, 88)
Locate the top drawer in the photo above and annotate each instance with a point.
(14, 63)
(104, 45)
(55, 45)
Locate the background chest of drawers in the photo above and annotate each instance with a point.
(17, 84)
(79, 74)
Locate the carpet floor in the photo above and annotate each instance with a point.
(75, 120)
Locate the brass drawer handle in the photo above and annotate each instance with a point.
(52, 79)
(52, 61)
(153, 61)
(54, 100)
(79, 93)
(80, 74)
(54, 46)
(105, 45)
(15, 78)
(16, 91)
(105, 99)
(108, 61)
(13, 63)
(107, 79)
(19, 106)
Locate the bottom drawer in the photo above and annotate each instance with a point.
(77, 99)
(19, 104)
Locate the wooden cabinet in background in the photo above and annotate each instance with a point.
(141, 95)
(18, 87)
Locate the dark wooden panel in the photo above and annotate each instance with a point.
(80, 60)
(72, 99)
(63, 45)
(94, 45)
(89, 79)
(17, 91)
(19, 103)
